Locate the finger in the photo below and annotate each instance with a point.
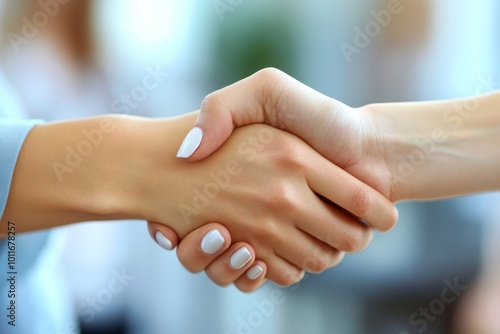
(334, 227)
(308, 245)
(268, 96)
(327, 229)
(311, 254)
(253, 278)
(282, 272)
(215, 122)
(231, 264)
(163, 235)
(202, 246)
(354, 196)
(219, 113)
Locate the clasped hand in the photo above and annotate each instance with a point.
(267, 191)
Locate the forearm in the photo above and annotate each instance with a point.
(88, 170)
(53, 184)
(441, 149)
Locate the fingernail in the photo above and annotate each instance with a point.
(163, 241)
(190, 143)
(240, 258)
(255, 272)
(212, 242)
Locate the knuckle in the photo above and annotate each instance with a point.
(273, 93)
(282, 197)
(393, 219)
(289, 156)
(317, 264)
(361, 200)
(290, 277)
(270, 74)
(326, 258)
(212, 102)
(261, 229)
(354, 241)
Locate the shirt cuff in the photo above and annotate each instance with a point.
(12, 136)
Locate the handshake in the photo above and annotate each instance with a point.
(272, 179)
(283, 202)
(275, 207)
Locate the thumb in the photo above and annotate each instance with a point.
(239, 104)
(213, 126)
(268, 96)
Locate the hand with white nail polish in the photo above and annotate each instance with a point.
(130, 171)
(266, 186)
(263, 186)
(375, 143)
(207, 248)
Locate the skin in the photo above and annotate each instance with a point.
(406, 151)
(371, 142)
(271, 201)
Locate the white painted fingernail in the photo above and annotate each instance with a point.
(255, 272)
(163, 241)
(212, 242)
(190, 143)
(240, 258)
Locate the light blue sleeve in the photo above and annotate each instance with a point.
(12, 136)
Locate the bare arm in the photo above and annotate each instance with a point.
(440, 148)
(261, 185)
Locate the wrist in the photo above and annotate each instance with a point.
(406, 140)
(154, 179)
(382, 148)
(438, 149)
